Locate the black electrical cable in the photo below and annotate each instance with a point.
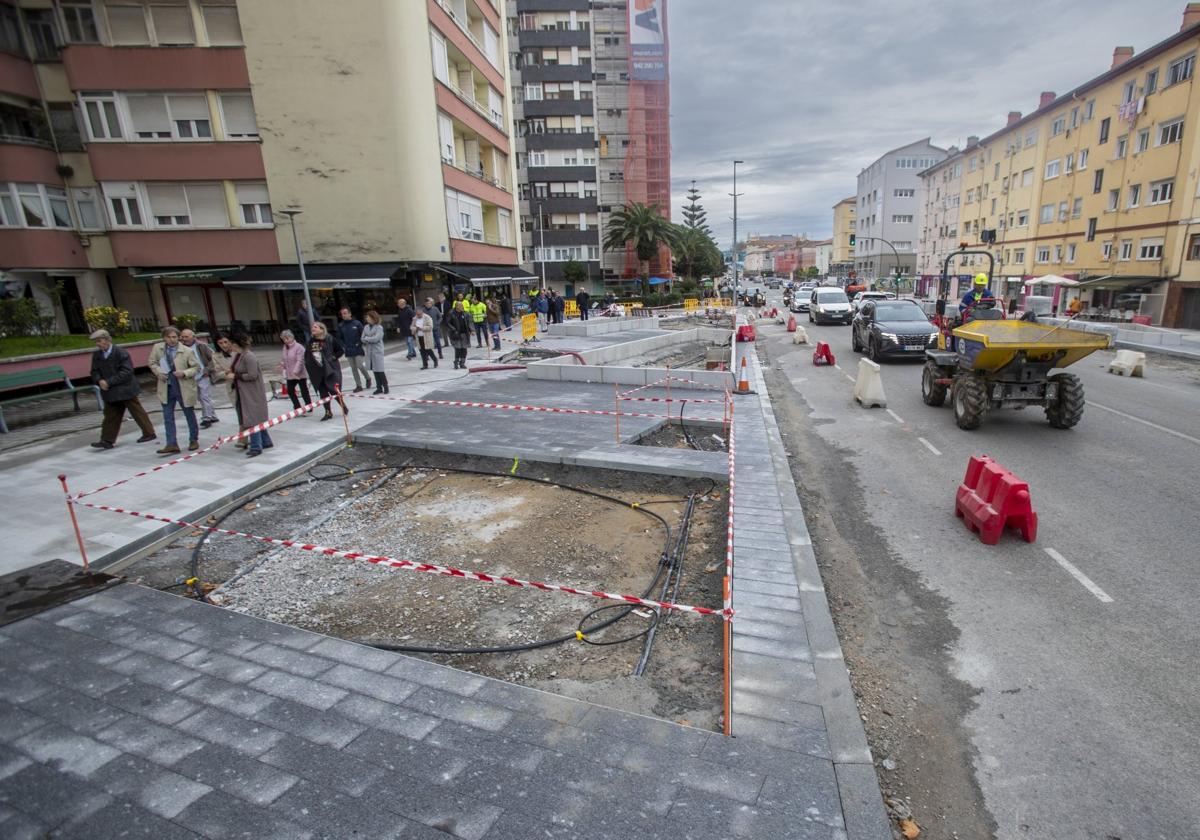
(584, 635)
(674, 569)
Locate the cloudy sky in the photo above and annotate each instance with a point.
(808, 92)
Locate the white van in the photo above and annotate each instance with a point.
(829, 305)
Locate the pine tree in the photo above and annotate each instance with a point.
(694, 215)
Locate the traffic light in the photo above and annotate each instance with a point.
(852, 240)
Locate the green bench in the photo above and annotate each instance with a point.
(49, 375)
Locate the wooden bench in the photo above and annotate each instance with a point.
(50, 375)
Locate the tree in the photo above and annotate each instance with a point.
(695, 253)
(575, 272)
(643, 227)
(694, 216)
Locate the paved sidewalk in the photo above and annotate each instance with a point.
(1184, 344)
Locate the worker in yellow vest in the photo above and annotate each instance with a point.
(478, 317)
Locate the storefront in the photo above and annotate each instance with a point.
(1123, 299)
(509, 280)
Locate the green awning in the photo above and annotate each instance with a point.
(194, 275)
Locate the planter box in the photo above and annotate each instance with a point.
(77, 363)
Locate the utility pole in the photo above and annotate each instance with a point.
(292, 214)
(735, 195)
(542, 245)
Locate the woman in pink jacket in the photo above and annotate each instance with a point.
(292, 366)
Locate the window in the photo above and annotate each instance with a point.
(1083, 158)
(902, 220)
(904, 193)
(491, 45)
(101, 115)
(1042, 255)
(124, 205)
(1143, 140)
(187, 205)
(1058, 126)
(1031, 137)
(1135, 195)
(1052, 168)
(533, 93)
(537, 158)
(10, 36)
(1091, 230)
(172, 24)
(1062, 211)
(1022, 218)
(1098, 182)
(1089, 110)
(441, 63)
(1075, 116)
(1151, 81)
(1047, 214)
(43, 34)
(1104, 124)
(1069, 164)
(1027, 178)
(1071, 253)
(1058, 253)
(1122, 146)
(1150, 249)
(1077, 208)
(1127, 91)
(254, 203)
(446, 138)
(1106, 250)
(1018, 255)
(237, 114)
(1126, 249)
(87, 207)
(80, 20)
(222, 24)
(1194, 247)
(1180, 70)
(1170, 132)
(1162, 191)
(127, 25)
(1114, 199)
(34, 206)
(170, 117)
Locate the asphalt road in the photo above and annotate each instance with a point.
(1084, 647)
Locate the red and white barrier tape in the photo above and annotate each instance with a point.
(729, 532)
(430, 568)
(221, 441)
(668, 400)
(510, 407)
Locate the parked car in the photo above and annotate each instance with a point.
(828, 305)
(892, 328)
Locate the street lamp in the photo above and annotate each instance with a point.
(735, 194)
(542, 244)
(292, 214)
(895, 253)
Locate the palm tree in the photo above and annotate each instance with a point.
(643, 227)
(695, 253)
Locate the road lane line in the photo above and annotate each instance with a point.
(895, 416)
(930, 446)
(836, 365)
(1100, 594)
(848, 376)
(1145, 422)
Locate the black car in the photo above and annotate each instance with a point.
(892, 328)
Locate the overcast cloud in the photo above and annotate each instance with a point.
(808, 92)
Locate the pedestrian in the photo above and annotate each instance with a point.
(542, 307)
(492, 316)
(350, 331)
(560, 306)
(458, 328)
(222, 361)
(506, 310)
(404, 319)
(112, 372)
(176, 369)
(423, 331)
(291, 365)
(322, 360)
(246, 376)
(304, 320)
(479, 319)
(435, 312)
(372, 339)
(583, 300)
(204, 354)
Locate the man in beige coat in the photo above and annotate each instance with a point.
(176, 369)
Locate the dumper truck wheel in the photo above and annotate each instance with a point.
(970, 402)
(933, 393)
(1067, 409)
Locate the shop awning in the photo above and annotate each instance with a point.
(1117, 281)
(286, 278)
(194, 275)
(488, 275)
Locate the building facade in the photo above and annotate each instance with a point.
(938, 197)
(844, 231)
(148, 147)
(886, 210)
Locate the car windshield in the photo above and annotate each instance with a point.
(831, 297)
(899, 312)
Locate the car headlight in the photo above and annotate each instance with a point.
(890, 337)
(933, 336)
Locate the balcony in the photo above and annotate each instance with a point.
(467, 111)
(556, 38)
(591, 236)
(556, 141)
(562, 173)
(564, 204)
(235, 161)
(556, 72)
(467, 251)
(30, 248)
(159, 248)
(553, 5)
(155, 68)
(456, 33)
(472, 183)
(558, 107)
(17, 76)
(24, 161)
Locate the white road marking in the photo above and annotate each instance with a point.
(895, 416)
(1145, 422)
(930, 446)
(1100, 594)
(851, 378)
(836, 365)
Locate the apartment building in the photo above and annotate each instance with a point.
(147, 148)
(1099, 185)
(886, 210)
(939, 195)
(586, 124)
(842, 256)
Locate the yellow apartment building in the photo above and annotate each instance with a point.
(843, 229)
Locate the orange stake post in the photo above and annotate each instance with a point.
(617, 403)
(669, 394)
(345, 419)
(74, 522)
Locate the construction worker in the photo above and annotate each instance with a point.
(479, 318)
(977, 293)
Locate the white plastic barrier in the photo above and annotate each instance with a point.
(868, 387)
(800, 336)
(1128, 363)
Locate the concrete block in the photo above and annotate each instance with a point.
(350, 653)
(156, 789)
(67, 751)
(328, 728)
(459, 709)
(124, 819)
(151, 702)
(326, 766)
(582, 373)
(380, 715)
(214, 814)
(862, 805)
(233, 698)
(60, 798)
(302, 690)
(331, 813)
(783, 735)
(623, 375)
(379, 686)
(285, 659)
(398, 754)
(1128, 363)
(868, 386)
(218, 727)
(237, 774)
(149, 740)
(800, 336)
(154, 671)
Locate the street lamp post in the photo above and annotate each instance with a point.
(895, 253)
(542, 245)
(735, 239)
(292, 214)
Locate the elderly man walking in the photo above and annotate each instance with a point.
(177, 369)
(112, 371)
(204, 354)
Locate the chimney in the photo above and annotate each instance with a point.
(973, 140)
(1191, 16)
(1120, 56)
(1046, 98)
(1014, 117)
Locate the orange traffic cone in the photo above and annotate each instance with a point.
(791, 323)
(743, 382)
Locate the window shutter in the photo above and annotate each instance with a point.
(149, 113)
(223, 26)
(446, 136)
(127, 25)
(189, 107)
(239, 115)
(207, 203)
(252, 194)
(441, 65)
(166, 200)
(172, 24)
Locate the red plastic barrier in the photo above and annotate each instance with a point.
(823, 355)
(991, 499)
(791, 323)
(745, 332)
